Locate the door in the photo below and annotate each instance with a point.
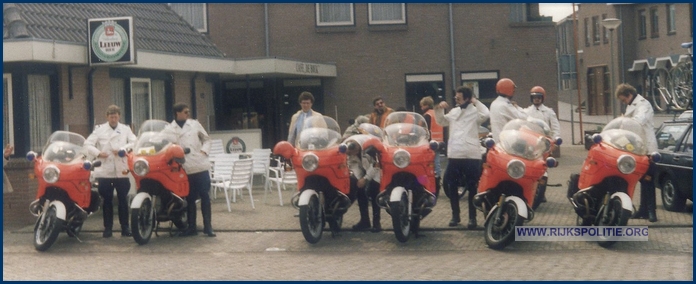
(598, 91)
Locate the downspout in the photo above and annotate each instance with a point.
(621, 47)
(90, 98)
(193, 96)
(451, 30)
(265, 26)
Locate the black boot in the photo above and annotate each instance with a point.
(542, 188)
(191, 220)
(364, 223)
(107, 233)
(125, 231)
(652, 217)
(437, 186)
(207, 220)
(376, 225)
(472, 211)
(454, 202)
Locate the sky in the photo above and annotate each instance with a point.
(557, 10)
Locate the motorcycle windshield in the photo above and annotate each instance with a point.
(371, 129)
(625, 134)
(153, 137)
(404, 128)
(319, 132)
(524, 138)
(64, 147)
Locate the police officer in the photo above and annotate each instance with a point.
(537, 96)
(502, 108)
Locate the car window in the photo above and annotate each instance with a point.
(669, 135)
(688, 146)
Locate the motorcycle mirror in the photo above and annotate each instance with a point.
(96, 164)
(181, 161)
(343, 148)
(655, 157)
(442, 145)
(87, 165)
(187, 150)
(559, 141)
(489, 142)
(122, 152)
(434, 145)
(551, 162)
(31, 155)
(597, 138)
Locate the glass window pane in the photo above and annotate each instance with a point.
(39, 110)
(387, 13)
(329, 14)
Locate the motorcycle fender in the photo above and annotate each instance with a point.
(396, 194)
(626, 202)
(521, 207)
(305, 195)
(61, 213)
(138, 200)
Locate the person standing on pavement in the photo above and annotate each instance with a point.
(638, 108)
(436, 133)
(191, 134)
(463, 148)
(104, 143)
(364, 181)
(503, 109)
(380, 112)
(540, 111)
(306, 101)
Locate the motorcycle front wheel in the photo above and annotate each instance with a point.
(501, 232)
(612, 214)
(312, 220)
(143, 222)
(47, 228)
(400, 218)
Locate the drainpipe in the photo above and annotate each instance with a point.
(193, 95)
(90, 98)
(451, 30)
(265, 26)
(621, 47)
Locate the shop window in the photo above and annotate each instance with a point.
(194, 13)
(335, 14)
(386, 13)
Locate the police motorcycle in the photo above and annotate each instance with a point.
(64, 198)
(407, 189)
(323, 178)
(509, 179)
(161, 182)
(602, 193)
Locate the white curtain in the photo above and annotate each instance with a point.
(334, 12)
(387, 12)
(159, 110)
(140, 103)
(118, 93)
(194, 13)
(39, 111)
(6, 111)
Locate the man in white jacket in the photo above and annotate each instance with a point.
(638, 108)
(502, 108)
(192, 135)
(463, 148)
(306, 101)
(104, 144)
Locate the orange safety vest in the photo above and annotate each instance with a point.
(436, 131)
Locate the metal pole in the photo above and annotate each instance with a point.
(611, 46)
(577, 75)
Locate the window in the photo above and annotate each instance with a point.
(642, 25)
(568, 74)
(335, 14)
(688, 146)
(595, 30)
(587, 32)
(654, 27)
(7, 117)
(40, 110)
(386, 13)
(141, 102)
(194, 13)
(671, 19)
(605, 31)
(670, 135)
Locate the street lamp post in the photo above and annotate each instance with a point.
(611, 24)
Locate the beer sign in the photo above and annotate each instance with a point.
(111, 41)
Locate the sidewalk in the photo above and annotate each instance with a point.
(270, 216)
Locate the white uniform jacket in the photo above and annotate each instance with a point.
(363, 167)
(547, 115)
(641, 110)
(106, 139)
(194, 137)
(502, 111)
(463, 125)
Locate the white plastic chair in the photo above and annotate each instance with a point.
(279, 177)
(216, 148)
(262, 162)
(240, 177)
(221, 170)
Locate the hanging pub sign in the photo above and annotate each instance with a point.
(111, 41)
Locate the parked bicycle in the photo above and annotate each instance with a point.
(674, 86)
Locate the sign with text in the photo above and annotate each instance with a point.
(110, 41)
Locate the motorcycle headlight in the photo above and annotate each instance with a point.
(51, 174)
(141, 167)
(310, 162)
(626, 164)
(515, 169)
(402, 158)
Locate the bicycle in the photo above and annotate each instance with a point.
(673, 87)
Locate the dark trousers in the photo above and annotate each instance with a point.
(461, 172)
(365, 196)
(647, 190)
(199, 186)
(106, 190)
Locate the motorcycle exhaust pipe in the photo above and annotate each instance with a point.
(35, 208)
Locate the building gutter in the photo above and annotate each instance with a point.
(452, 59)
(265, 26)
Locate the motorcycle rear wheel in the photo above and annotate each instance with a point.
(500, 233)
(400, 218)
(143, 222)
(612, 214)
(312, 220)
(47, 229)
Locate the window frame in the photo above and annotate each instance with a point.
(587, 31)
(654, 23)
(671, 19)
(596, 37)
(136, 126)
(9, 115)
(642, 24)
(205, 16)
(334, 24)
(605, 31)
(402, 21)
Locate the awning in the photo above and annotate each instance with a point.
(653, 63)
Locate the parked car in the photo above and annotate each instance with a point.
(674, 174)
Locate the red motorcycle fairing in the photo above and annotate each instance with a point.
(163, 169)
(601, 163)
(495, 173)
(74, 180)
